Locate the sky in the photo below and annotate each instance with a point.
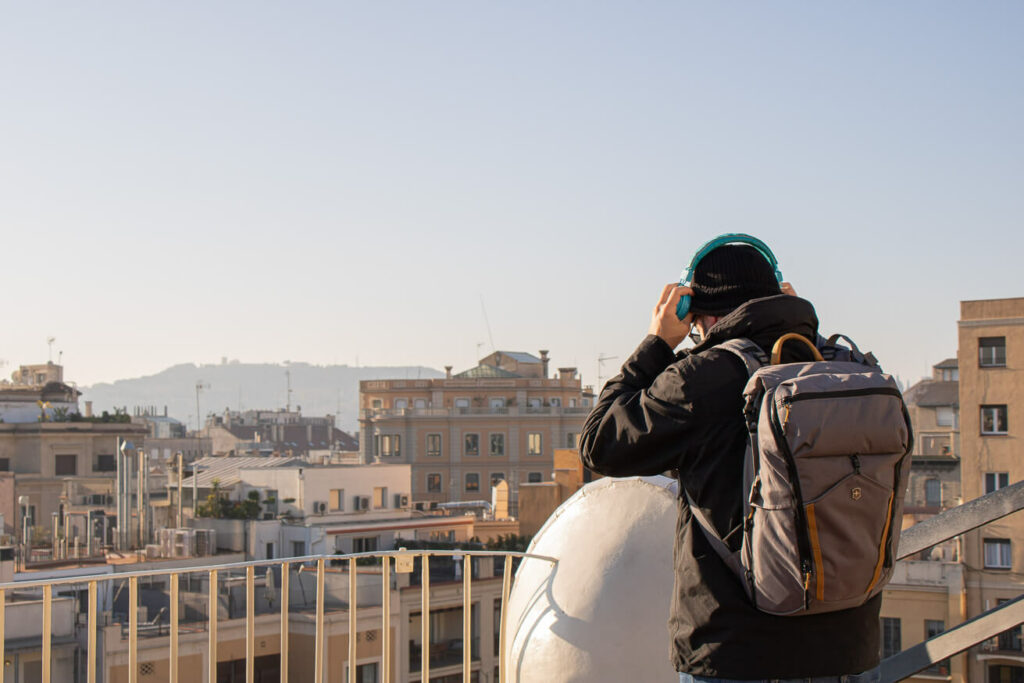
(399, 183)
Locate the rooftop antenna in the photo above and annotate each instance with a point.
(478, 345)
(49, 343)
(487, 322)
(601, 358)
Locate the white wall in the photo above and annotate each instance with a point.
(309, 485)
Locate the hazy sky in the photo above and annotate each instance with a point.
(334, 181)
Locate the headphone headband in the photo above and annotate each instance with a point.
(683, 307)
(731, 238)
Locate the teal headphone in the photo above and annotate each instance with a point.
(683, 307)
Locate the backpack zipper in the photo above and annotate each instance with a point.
(845, 393)
(803, 540)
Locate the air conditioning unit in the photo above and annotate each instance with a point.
(206, 542)
(319, 507)
(362, 503)
(403, 501)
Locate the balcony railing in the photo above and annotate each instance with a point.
(512, 411)
(436, 651)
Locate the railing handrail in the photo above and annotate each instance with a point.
(305, 559)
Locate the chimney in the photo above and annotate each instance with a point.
(566, 373)
(88, 408)
(448, 372)
(544, 360)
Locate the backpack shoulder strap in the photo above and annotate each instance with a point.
(730, 557)
(752, 355)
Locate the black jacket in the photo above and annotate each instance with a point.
(683, 412)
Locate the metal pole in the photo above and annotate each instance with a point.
(180, 473)
(195, 489)
(118, 457)
(140, 511)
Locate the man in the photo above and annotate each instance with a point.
(683, 412)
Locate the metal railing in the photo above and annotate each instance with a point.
(403, 561)
(990, 624)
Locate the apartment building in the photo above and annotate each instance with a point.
(991, 369)
(282, 432)
(500, 420)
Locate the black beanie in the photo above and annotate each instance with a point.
(730, 276)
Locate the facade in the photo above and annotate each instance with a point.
(280, 432)
(991, 365)
(167, 437)
(501, 420)
(934, 485)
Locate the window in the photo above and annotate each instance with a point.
(365, 673)
(337, 502)
(471, 444)
(462, 404)
(434, 445)
(1005, 674)
(376, 444)
(534, 477)
(5, 464)
(497, 444)
(380, 497)
(951, 375)
(367, 544)
(993, 419)
(572, 440)
(997, 553)
(433, 483)
(555, 402)
(420, 403)
(932, 628)
(944, 416)
(65, 465)
(496, 403)
(533, 443)
(496, 477)
(1009, 640)
(396, 442)
(996, 480)
(992, 352)
(377, 404)
(270, 551)
(891, 640)
(298, 548)
(401, 403)
(534, 403)
(385, 445)
(932, 493)
(472, 481)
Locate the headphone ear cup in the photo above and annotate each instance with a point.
(683, 307)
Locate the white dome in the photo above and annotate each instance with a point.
(601, 613)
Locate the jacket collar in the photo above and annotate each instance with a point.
(763, 321)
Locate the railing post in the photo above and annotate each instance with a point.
(250, 623)
(174, 629)
(3, 629)
(506, 588)
(425, 618)
(352, 626)
(47, 630)
(318, 673)
(385, 642)
(467, 616)
(284, 622)
(91, 638)
(133, 630)
(212, 620)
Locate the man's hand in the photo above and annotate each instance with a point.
(664, 322)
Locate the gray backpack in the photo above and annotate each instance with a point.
(824, 479)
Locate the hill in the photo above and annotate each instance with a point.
(318, 389)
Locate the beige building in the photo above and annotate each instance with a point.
(501, 420)
(991, 364)
(63, 466)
